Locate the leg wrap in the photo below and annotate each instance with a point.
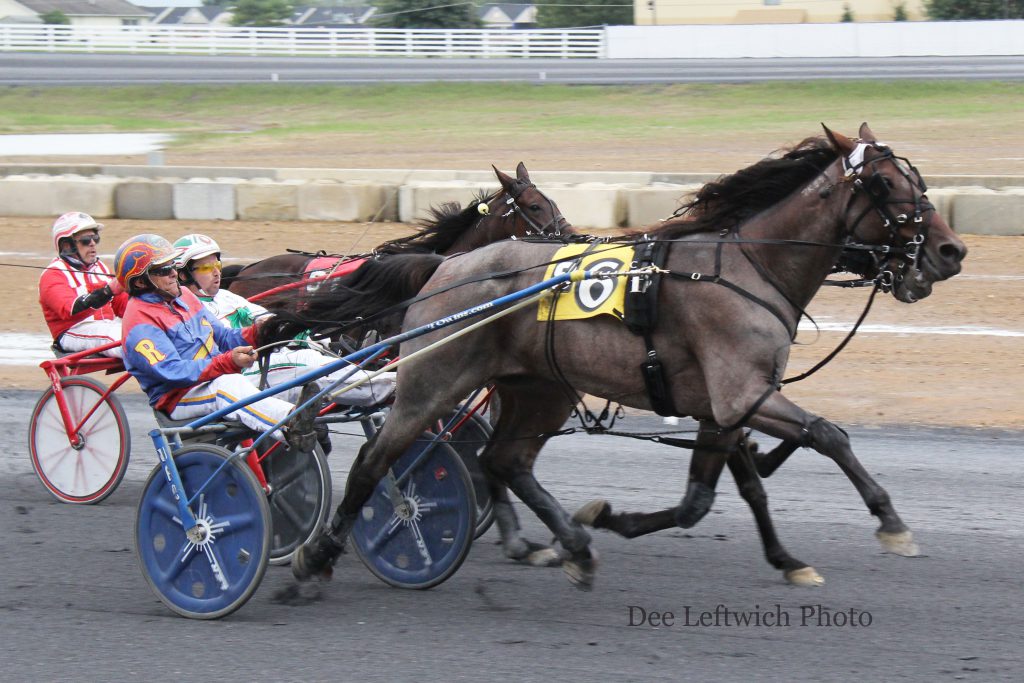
(695, 505)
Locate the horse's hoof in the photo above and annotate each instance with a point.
(805, 577)
(900, 543)
(544, 557)
(581, 570)
(309, 564)
(533, 554)
(593, 513)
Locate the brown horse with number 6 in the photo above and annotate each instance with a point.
(745, 260)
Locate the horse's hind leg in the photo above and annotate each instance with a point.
(527, 417)
(783, 419)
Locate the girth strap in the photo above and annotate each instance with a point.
(641, 317)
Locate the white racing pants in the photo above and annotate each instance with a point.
(92, 333)
(288, 364)
(207, 397)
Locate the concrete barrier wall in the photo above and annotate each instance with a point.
(593, 204)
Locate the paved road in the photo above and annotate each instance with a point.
(74, 605)
(91, 69)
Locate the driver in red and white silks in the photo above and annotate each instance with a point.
(81, 301)
(199, 270)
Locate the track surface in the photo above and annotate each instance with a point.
(74, 604)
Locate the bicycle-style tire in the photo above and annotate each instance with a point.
(300, 499)
(234, 505)
(91, 472)
(441, 491)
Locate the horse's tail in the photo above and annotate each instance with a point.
(368, 298)
(229, 273)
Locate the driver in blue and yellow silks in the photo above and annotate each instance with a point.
(186, 361)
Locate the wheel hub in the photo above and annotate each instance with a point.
(408, 510)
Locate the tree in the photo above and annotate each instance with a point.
(974, 9)
(570, 13)
(847, 14)
(261, 12)
(55, 17)
(425, 14)
(899, 12)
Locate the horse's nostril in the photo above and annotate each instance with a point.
(952, 252)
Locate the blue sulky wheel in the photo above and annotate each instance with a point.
(217, 575)
(469, 442)
(300, 498)
(425, 542)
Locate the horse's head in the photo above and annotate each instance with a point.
(890, 217)
(520, 209)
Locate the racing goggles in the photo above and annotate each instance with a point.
(208, 268)
(163, 271)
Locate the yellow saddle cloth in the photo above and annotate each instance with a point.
(588, 298)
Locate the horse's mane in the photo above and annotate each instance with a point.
(732, 199)
(437, 234)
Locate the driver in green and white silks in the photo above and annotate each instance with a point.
(199, 269)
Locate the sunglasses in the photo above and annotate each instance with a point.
(162, 271)
(208, 267)
(88, 240)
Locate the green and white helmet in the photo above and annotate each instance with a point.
(193, 247)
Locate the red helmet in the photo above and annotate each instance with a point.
(70, 224)
(140, 253)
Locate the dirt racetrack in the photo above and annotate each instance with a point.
(954, 374)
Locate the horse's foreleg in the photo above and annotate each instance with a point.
(892, 533)
(741, 465)
(783, 419)
(705, 467)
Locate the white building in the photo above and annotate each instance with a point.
(648, 12)
(79, 12)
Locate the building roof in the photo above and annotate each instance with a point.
(177, 15)
(514, 11)
(86, 8)
(331, 16)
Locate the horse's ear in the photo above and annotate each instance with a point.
(507, 181)
(840, 142)
(865, 133)
(521, 173)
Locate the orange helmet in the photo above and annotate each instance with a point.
(140, 253)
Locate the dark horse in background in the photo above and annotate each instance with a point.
(744, 262)
(517, 209)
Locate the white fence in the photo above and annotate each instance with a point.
(209, 40)
(888, 39)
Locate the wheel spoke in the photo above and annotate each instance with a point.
(421, 544)
(441, 505)
(287, 511)
(216, 566)
(237, 522)
(282, 480)
(384, 533)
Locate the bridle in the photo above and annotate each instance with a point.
(514, 210)
(876, 188)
